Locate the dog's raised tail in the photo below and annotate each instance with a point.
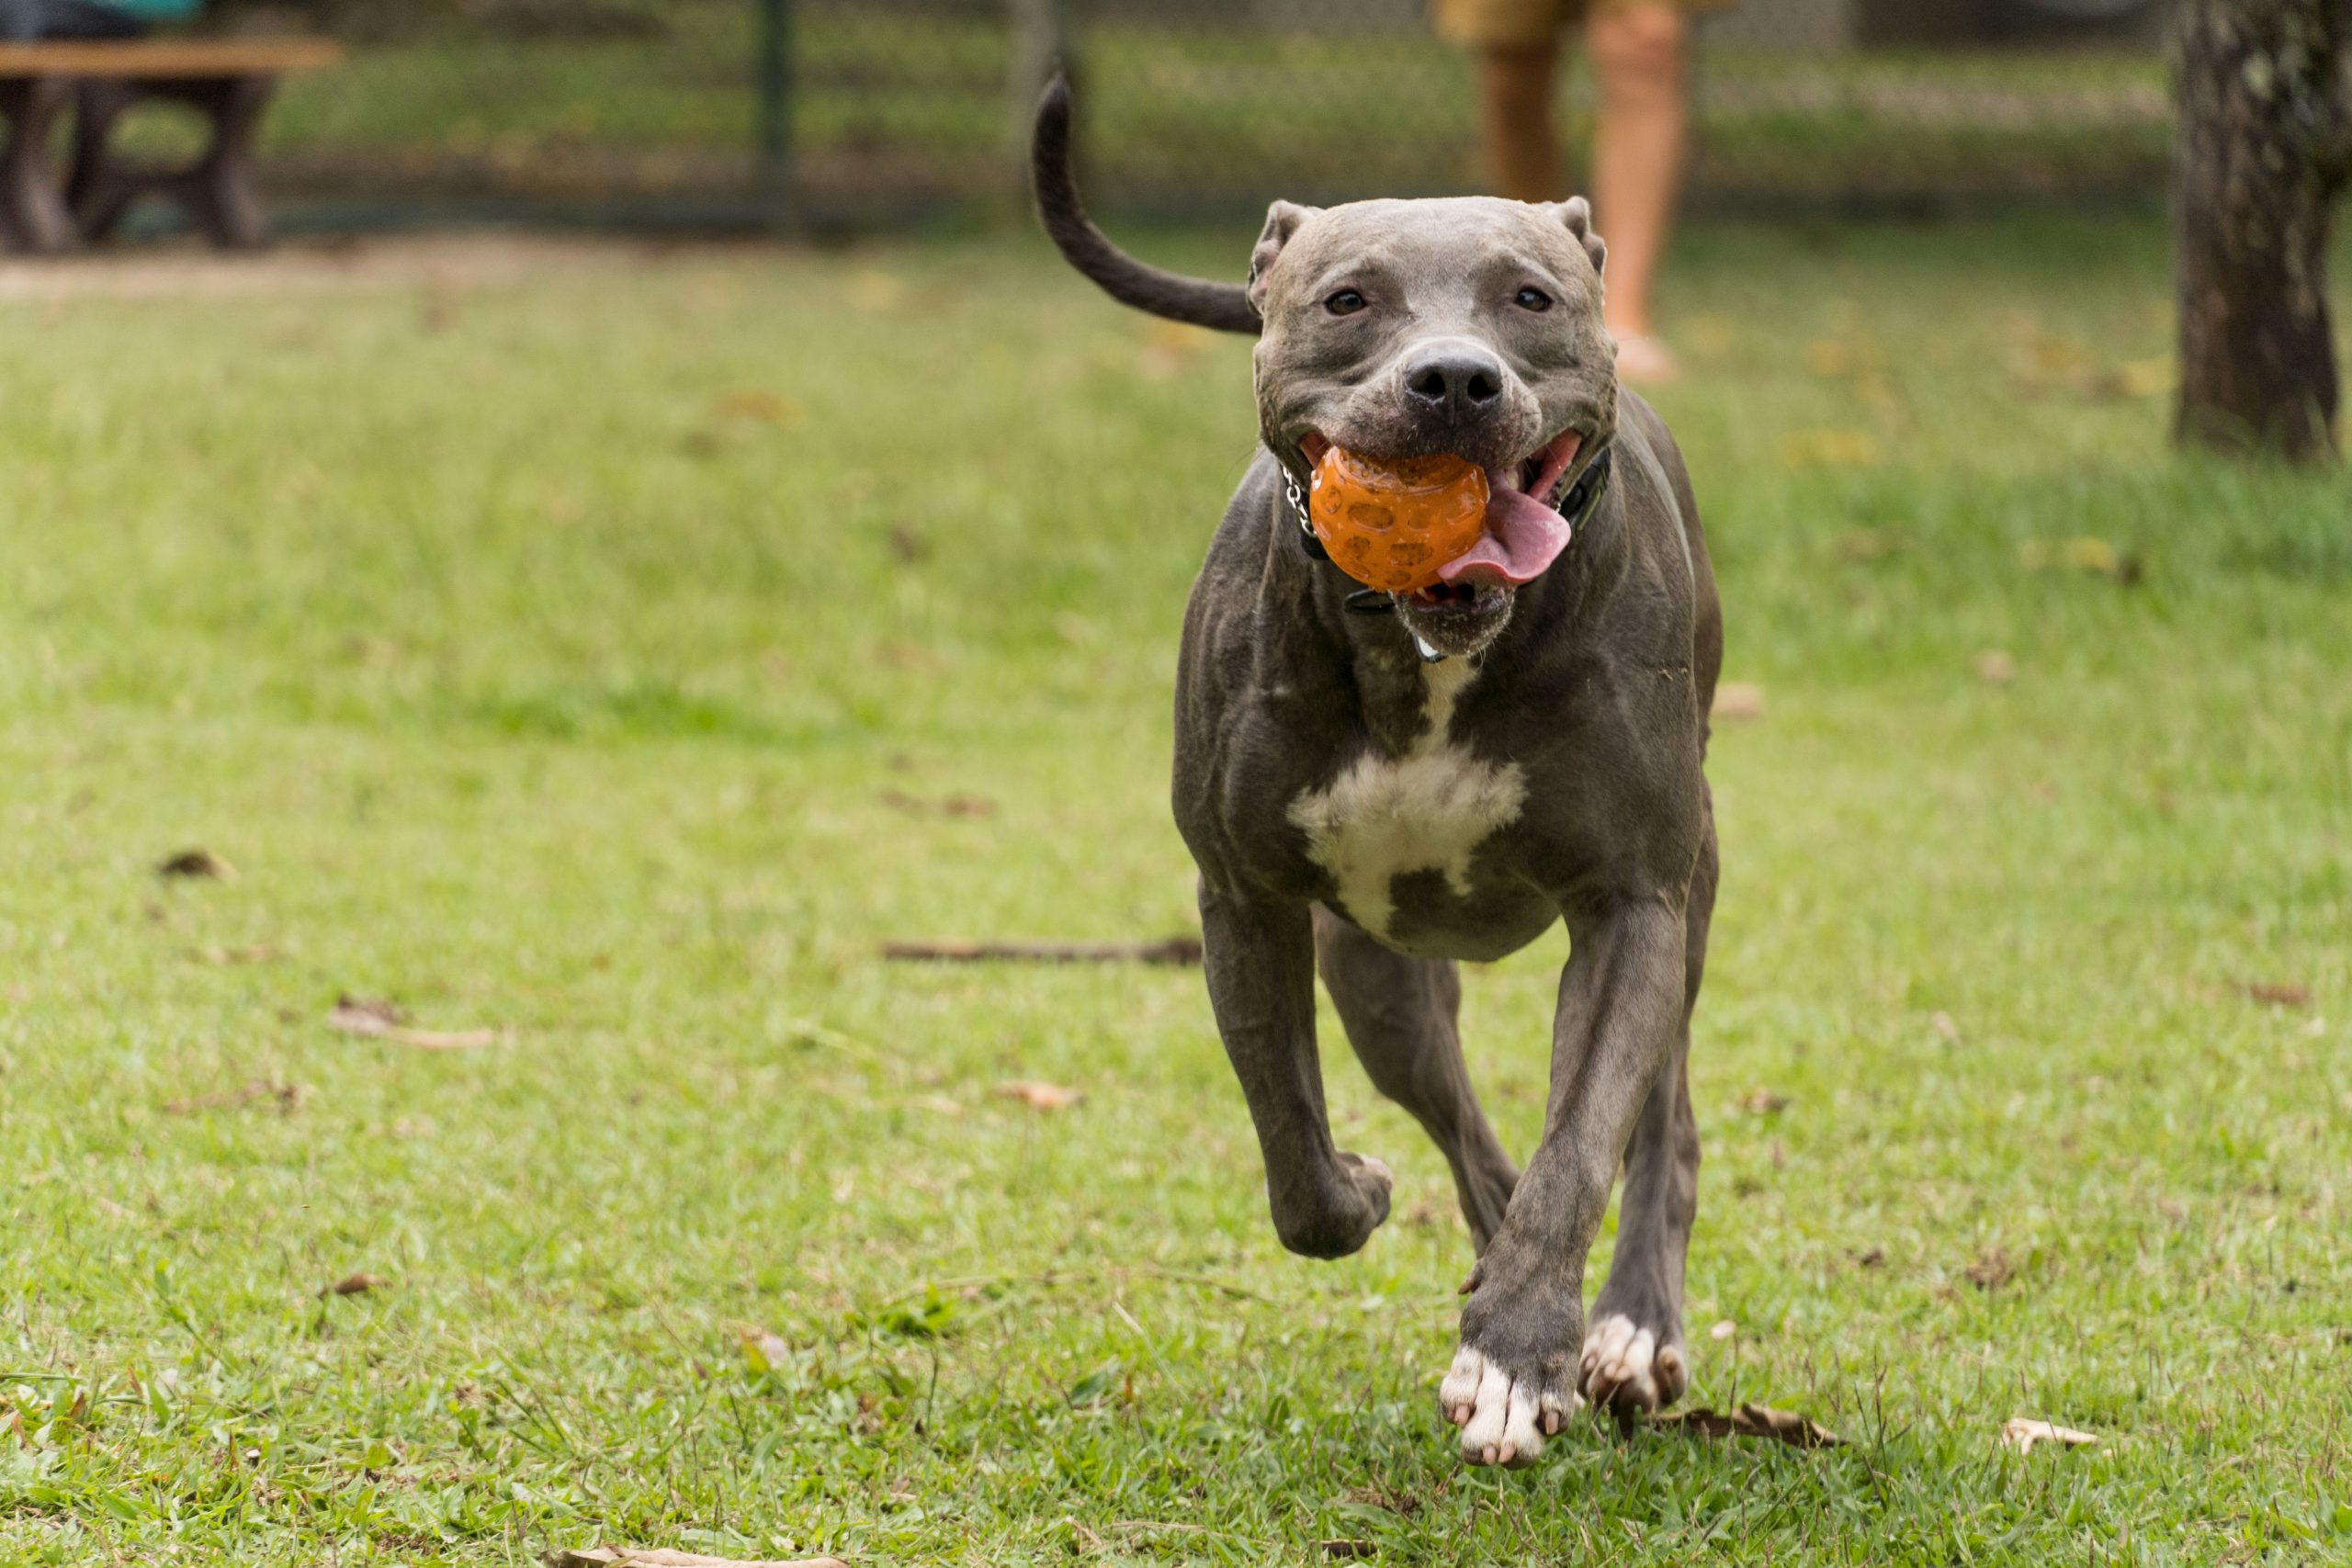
(1221, 306)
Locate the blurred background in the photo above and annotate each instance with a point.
(757, 112)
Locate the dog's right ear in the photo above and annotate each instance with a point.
(1283, 221)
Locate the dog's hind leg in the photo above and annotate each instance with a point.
(1399, 1013)
(1634, 1361)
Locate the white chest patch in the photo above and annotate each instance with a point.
(1427, 810)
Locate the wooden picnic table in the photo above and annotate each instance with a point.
(228, 81)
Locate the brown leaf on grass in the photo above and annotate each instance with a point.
(1168, 347)
(1995, 666)
(1174, 949)
(228, 957)
(1991, 1271)
(288, 1095)
(949, 806)
(1762, 1102)
(2086, 553)
(765, 1348)
(1875, 1258)
(1751, 1421)
(1827, 449)
(379, 1020)
(1040, 1096)
(763, 408)
(908, 546)
(655, 1557)
(198, 863)
(2276, 993)
(1867, 544)
(2021, 1432)
(1740, 700)
(354, 1285)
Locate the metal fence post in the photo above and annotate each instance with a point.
(774, 120)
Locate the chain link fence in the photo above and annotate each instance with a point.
(757, 112)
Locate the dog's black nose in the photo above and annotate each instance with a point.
(1456, 383)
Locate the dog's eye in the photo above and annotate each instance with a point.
(1346, 302)
(1534, 300)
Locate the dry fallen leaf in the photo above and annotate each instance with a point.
(198, 863)
(286, 1095)
(765, 1349)
(2276, 993)
(654, 1557)
(1828, 449)
(1874, 1258)
(380, 1019)
(1040, 1096)
(1996, 667)
(1991, 1271)
(1740, 700)
(1762, 1102)
(226, 957)
(765, 407)
(1169, 346)
(874, 290)
(950, 805)
(2021, 1432)
(354, 1285)
(1752, 1421)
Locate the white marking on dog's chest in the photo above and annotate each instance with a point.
(1385, 816)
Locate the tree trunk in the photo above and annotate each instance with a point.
(2265, 140)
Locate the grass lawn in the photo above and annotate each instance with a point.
(614, 658)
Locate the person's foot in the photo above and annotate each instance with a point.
(1644, 359)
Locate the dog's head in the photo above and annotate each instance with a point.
(1469, 326)
(1403, 329)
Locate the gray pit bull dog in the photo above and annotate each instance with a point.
(1379, 795)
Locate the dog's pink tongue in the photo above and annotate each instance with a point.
(1523, 536)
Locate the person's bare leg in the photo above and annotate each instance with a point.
(1637, 59)
(1515, 121)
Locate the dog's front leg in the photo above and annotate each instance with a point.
(1514, 1379)
(1260, 959)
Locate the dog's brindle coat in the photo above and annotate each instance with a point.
(1354, 807)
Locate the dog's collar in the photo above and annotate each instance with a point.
(1379, 601)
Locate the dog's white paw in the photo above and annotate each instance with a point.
(1626, 1369)
(1504, 1420)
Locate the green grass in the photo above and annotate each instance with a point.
(532, 672)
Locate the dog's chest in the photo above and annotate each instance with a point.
(1426, 809)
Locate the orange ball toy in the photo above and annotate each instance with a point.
(1393, 525)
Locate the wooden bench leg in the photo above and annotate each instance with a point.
(33, 215)
(100, 189)
(219, 192)
(225, 198)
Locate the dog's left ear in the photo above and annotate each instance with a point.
(1283, 221)
(1575, 216)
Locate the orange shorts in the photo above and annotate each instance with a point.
(1501, 24)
